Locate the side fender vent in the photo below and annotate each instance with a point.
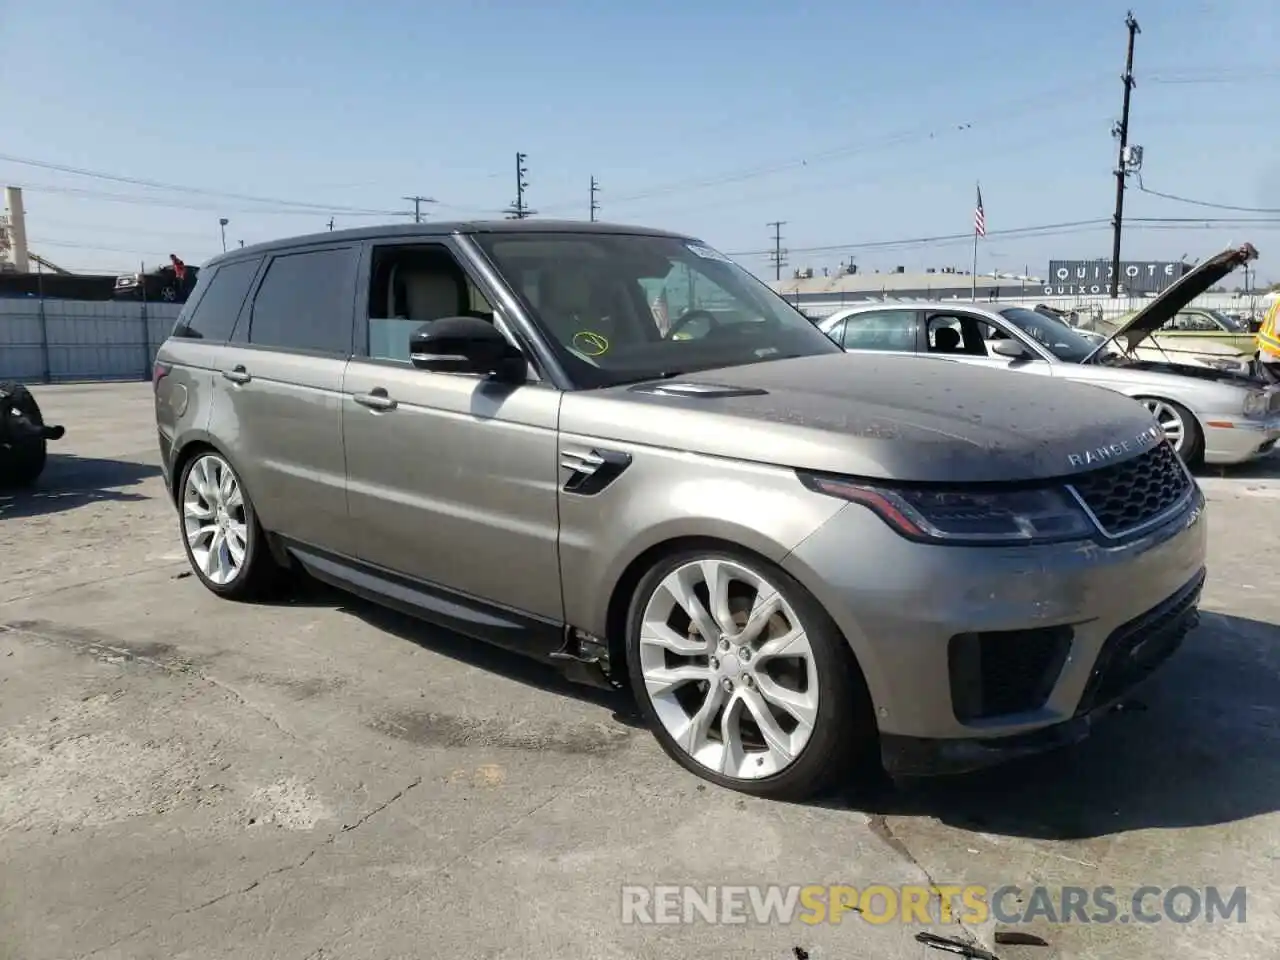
(590, 471)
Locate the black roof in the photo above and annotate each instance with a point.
(400, 231)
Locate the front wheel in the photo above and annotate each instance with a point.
(220, 532)
(1179, 426)
(743, 677)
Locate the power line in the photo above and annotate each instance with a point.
(875, 244)
(1029, 104)
(177, 188)
(1204, 203)
(143, 201)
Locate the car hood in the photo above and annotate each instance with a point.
(1177, 295)
(888, 418)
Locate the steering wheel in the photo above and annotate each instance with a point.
(688, 318)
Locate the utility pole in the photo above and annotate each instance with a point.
(595, 207)
(778, 257)
(1125, 159)
(519, 210)
(417, 206)
(331, 224)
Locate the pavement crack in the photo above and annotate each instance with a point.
(347, 828)
(274, 872)
(879, 824)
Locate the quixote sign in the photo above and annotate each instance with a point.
(1093, 277)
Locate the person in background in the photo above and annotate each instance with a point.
(1268, 340)
(179, 271)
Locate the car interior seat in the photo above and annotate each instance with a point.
(946, 340)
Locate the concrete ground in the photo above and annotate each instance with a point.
(182, 777)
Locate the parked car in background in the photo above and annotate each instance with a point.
(792, 556)
(1199, 336)
(1215, 416)
(158, 286)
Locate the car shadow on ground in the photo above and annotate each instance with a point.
(69, 481)
(1266, 468)
(305, 591)
(1198, 745)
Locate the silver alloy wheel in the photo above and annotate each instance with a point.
(729, 669)
(213, 519)
(1170, 421)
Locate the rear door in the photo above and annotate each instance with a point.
(891, 330)
(279, 411)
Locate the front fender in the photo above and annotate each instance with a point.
(666, 497)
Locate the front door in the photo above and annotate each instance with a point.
(452, 479)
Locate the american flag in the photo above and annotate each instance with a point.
(979, 217)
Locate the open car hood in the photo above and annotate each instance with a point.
(1176, 296)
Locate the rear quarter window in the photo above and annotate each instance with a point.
(211, 311)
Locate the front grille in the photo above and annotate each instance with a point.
(1135, 649)
(1126, 496)
(1002, 672)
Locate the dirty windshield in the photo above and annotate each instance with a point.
(623, 307)
(1058, 338)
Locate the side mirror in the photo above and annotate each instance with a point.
(1010, 348)
(465, 345)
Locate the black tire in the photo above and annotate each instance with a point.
(844, 735)
(1191, 449)
(258, 575)
(22, 463)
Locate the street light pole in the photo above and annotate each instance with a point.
(222, 225)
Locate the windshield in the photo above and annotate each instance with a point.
(623, 308)
(1058, 338)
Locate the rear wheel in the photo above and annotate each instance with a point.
(22, 462)
(743, 677)
(220, 531)
(1180, 427)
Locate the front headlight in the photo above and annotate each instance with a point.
(1042, 515)
(1256, 403)
(1222, 363)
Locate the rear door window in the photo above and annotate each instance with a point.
(306, 302)
(893, 330)
(215, 303)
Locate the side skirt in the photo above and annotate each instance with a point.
(578, 657)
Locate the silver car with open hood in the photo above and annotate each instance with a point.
(1212, 416)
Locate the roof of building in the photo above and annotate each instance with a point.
(874, 283)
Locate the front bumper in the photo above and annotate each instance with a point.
(1231, 440)
(1129, 656)
(1040, 619)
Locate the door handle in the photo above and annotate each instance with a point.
(375, 399)
(237, 374)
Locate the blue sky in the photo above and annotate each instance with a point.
(853, 122)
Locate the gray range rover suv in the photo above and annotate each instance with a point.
(617, 451)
